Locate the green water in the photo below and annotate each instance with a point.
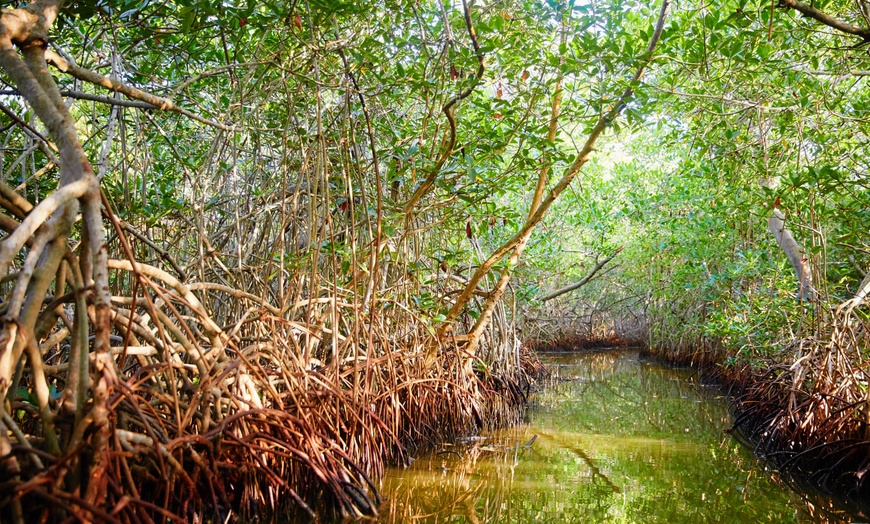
(618, 440)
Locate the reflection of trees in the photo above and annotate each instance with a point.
(502, 481)
(612, 446)
(478, 486)
(422, 496)
(630, 397)
(590, 463)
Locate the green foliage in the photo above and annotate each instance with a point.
(734, 99)
(742, 111)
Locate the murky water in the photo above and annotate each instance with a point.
(616, 439)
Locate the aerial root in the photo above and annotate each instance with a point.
(203, 429)
(811, 419)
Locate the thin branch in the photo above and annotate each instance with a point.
(216, 71)
(79, 95)
(11, 114)
(114, 85)
(160, 251)
(581, 283)
(448, 112)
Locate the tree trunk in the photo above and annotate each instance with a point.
(46, 229)
(795, 253)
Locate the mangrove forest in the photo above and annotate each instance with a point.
(302, 260)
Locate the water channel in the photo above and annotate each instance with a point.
(614, 438)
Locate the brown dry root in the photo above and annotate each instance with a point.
(811, 419)
(532, 365)
(216, 422)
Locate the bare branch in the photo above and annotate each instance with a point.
(583, 282)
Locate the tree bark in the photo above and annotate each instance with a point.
(795, 253)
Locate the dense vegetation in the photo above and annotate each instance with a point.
(254, 251)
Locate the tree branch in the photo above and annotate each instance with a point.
(583, 282)
(844, 27)
(113, 85)
(448, 112)
(795, 252)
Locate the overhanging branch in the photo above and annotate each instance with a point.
(583, 282)
(448, 110)
(811, 12)
(570, 173)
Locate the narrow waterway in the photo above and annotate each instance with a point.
(614, 438)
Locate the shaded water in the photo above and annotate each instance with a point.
(616, 439)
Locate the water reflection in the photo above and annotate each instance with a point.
(614, 439)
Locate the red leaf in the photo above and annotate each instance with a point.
(468, 230)
(243, 22)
